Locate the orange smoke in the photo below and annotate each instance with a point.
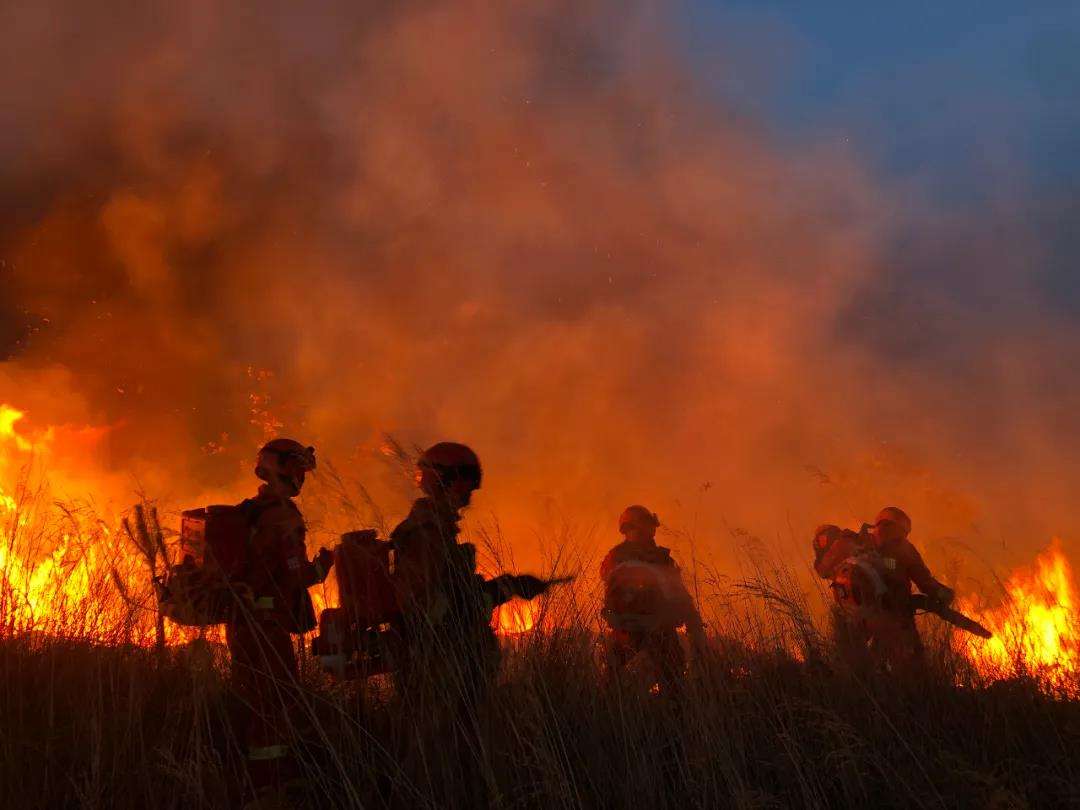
(530, 227)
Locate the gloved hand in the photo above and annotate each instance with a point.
(945, 595)
(324, 561)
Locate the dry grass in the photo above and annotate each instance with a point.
(91, 715)
(105, 726)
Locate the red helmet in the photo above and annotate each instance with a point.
(825, 536)
(284, 462)
(892, 514)
(449, 466)
(638, 516)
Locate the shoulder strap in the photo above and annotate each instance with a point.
(252, 509)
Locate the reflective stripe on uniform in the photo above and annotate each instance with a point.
(268, 752)
(264, 603)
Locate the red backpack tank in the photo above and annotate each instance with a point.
(217, 537)
(362, 568)
(351, 641)
(204, 588)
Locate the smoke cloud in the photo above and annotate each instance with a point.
(530, 228)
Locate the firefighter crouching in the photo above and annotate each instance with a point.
(645, 601)
(872, 573)
(264, 666)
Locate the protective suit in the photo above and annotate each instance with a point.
(264, 667)
(646, 601)
(445, 639)
(872, 573)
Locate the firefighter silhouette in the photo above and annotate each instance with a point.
(445, 652)
(871, 575)
(278, 573)
(416, 608)
(419, 597)
(646, 601)
(444, 624)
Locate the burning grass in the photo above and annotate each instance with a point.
(95, 713)
(770, 718)
(1037, 628)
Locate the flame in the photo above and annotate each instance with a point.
(62, 570)
(9, 416)
(1036, 629)
(12, 444)
(515, 617)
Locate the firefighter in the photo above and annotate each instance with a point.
(645, 601)
(264, 665)
(444, 627)
(872, 573)
(445, 652)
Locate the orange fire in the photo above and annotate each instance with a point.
(62, 568)
(16, 453)
(1036, 629)
(515, 617)
(68, 569)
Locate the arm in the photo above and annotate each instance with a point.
(278, 539)
(681, 596)
(923, 579)
(691, 617)
(607, 566)
(315, 571)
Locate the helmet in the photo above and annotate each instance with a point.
(284, 462)
(825, 536)
(637, 516)
(449, 467)
(892, 514)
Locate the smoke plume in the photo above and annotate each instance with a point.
(528, 227)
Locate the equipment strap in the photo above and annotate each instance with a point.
(253, 510)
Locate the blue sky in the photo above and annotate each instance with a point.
(975, 104)
(926, 80)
